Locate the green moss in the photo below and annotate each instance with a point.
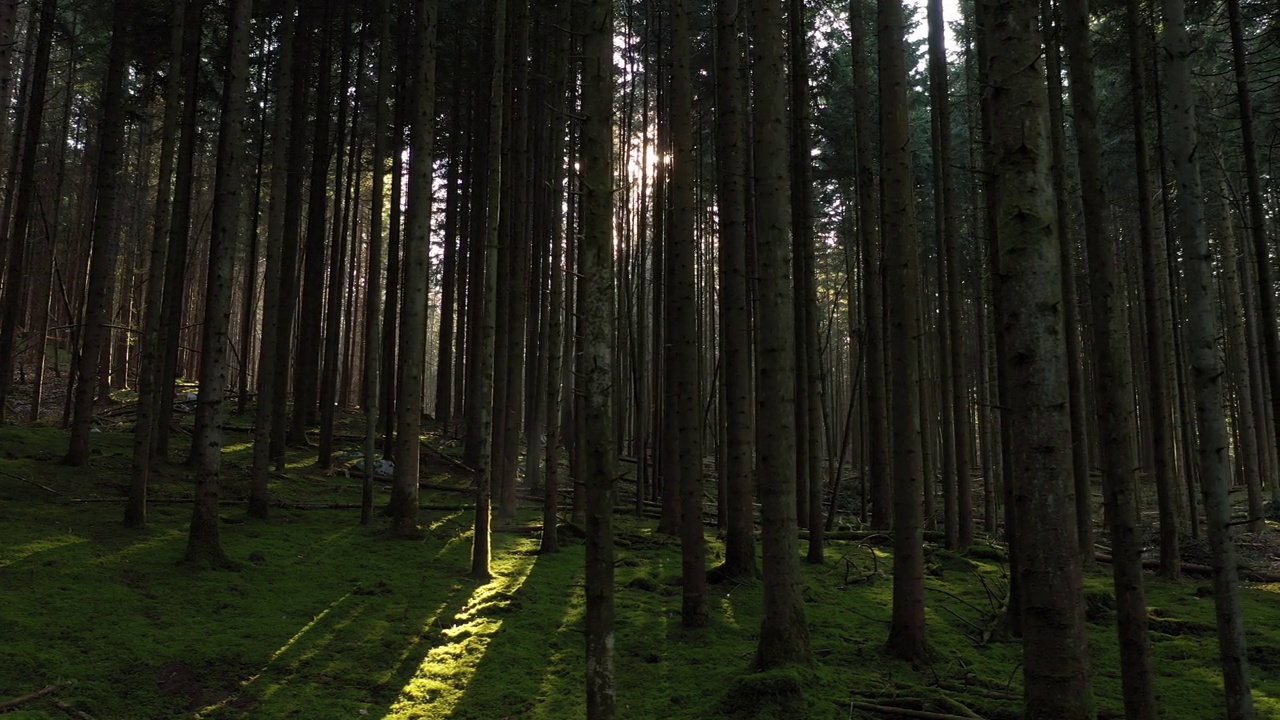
(324, 618)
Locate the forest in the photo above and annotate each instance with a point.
(552, 359)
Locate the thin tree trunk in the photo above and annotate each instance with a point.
(417, 264)
(203, 545)
(1206, 365)
(1114, 377)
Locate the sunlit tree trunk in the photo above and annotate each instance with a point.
(484, 385)
(417, 266)
(373, 283)
(596, 265)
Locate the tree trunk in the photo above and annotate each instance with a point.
(203, 545)
(907, 628)
(735, 313)
(1056, 653)
(1206, 365)
(26, 187)
(175, 285)
(879, 440)
(484, 385)
(784, 632)
(1114, 376)
(684, 371)
(373, 286)
(596, 265)
(417, 266)
(270, 393)
(104, 243)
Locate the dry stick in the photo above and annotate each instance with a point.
(8, 705)
(68, 709)
(906, 712)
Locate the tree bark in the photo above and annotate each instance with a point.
(1206, 365)
(203, 545)
(784, 632)
(1114, 376)
(104, 243)
(907, 628)
(417, 267)
(1055, 648)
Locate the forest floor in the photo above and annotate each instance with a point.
(324, 618)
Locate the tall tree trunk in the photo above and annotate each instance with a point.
(1075, 363)
(784, 632)
(879, 439)
(373, 281)
(735, 313)
(306, 356)
(333, 318)
(488, 276)
(1244, 424)
(1055, 649)
(1155, 287)
(1114, 376)
(596, 274)
(135, 514)
(203, 545)
(1257, 208)
(26, 187)
(1206, 365)
(104, 243)
(417, 265)
(684, 371)
(907, 628)
(270, 393)
(179, 226)
(957, 490)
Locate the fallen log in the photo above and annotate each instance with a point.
(904, 712)
(1248, 574)
(929, 536)
(8, 705)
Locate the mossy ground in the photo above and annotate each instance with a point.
(330, 619)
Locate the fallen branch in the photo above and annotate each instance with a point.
(906, 712)
(1201, 570)
(929, 536)
(68, 709)
(8, 705)
(447, 488)
(449, 458)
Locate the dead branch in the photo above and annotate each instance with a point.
(1201, 570)
(906, 712)
(68, 709)
(8, 705)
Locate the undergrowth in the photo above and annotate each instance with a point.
(324, 618)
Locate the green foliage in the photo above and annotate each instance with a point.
(324, 618)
